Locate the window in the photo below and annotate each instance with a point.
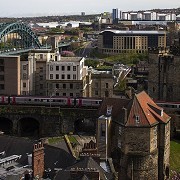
(64, 86)
(24, 67)
(119, 143)
(120, 130)
(57, 85)
(24, 76)
(77, 94)
(40, 77)
(96, 93)
(68, 68)
(1, 86)
(1, 69)
(74, 68)
(1, 77)
(96, 85)
(41, 69)
(51, 76)
(68, 76)
(62, 68)
(64, 94)
(57, 76)
(24, 85)
(71, 86)
(57, 68)
(62, 76)
(74, 76)
(77, 86)
(41, 86)
(137, 118)
(56, 58)
(24, 92)
(155, 131)
(106, 85)
(41, 56)
(71, 94)
(51, 67)
(1, 61)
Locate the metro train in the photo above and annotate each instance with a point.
(50, 101)
(174, 105)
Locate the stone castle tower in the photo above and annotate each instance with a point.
(163, 81)
(140, 133)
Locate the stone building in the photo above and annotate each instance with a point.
(102, 84)
(163, 79)
(140, 137)
(67, 77)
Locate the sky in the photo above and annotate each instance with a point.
(24, 8)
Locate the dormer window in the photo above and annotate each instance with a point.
(161, 112)
(137, 118)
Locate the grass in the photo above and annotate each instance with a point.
(73, 140)
(54, 140)
(175, 155)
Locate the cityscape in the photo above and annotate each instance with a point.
(90, 91)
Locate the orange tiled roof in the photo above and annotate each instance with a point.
(146, 110)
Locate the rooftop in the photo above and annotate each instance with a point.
(134, 32)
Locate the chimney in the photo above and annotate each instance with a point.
(38, 160)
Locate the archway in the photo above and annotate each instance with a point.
(29, 127)
(6, 125)
(85, 125)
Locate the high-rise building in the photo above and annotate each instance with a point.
(115, 15)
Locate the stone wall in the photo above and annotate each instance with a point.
(163, 81)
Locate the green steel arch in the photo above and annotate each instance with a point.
(28, 37)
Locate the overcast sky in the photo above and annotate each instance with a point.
(10, 8)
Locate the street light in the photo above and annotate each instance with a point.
(51, 95)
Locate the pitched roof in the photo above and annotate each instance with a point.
(54, 157)
(90, 163)
(117, 105)
(146, 111)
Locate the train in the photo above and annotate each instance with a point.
(50, 101)
(165, 104)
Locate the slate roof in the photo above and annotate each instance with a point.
(117, 105)
(85, 163)
(54, 157)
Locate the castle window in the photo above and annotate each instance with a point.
(119, 143)
(155, 131)
(120, 130)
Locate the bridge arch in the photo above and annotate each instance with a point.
(20, 35)
(29, 127)
(6, 125)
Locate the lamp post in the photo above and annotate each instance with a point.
(51, 95)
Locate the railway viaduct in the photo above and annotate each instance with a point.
(40, 121)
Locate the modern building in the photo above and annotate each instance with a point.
(10, 75)
(116, 42)
(115, 15)
(67, 77)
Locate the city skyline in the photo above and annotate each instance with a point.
(57, 7)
